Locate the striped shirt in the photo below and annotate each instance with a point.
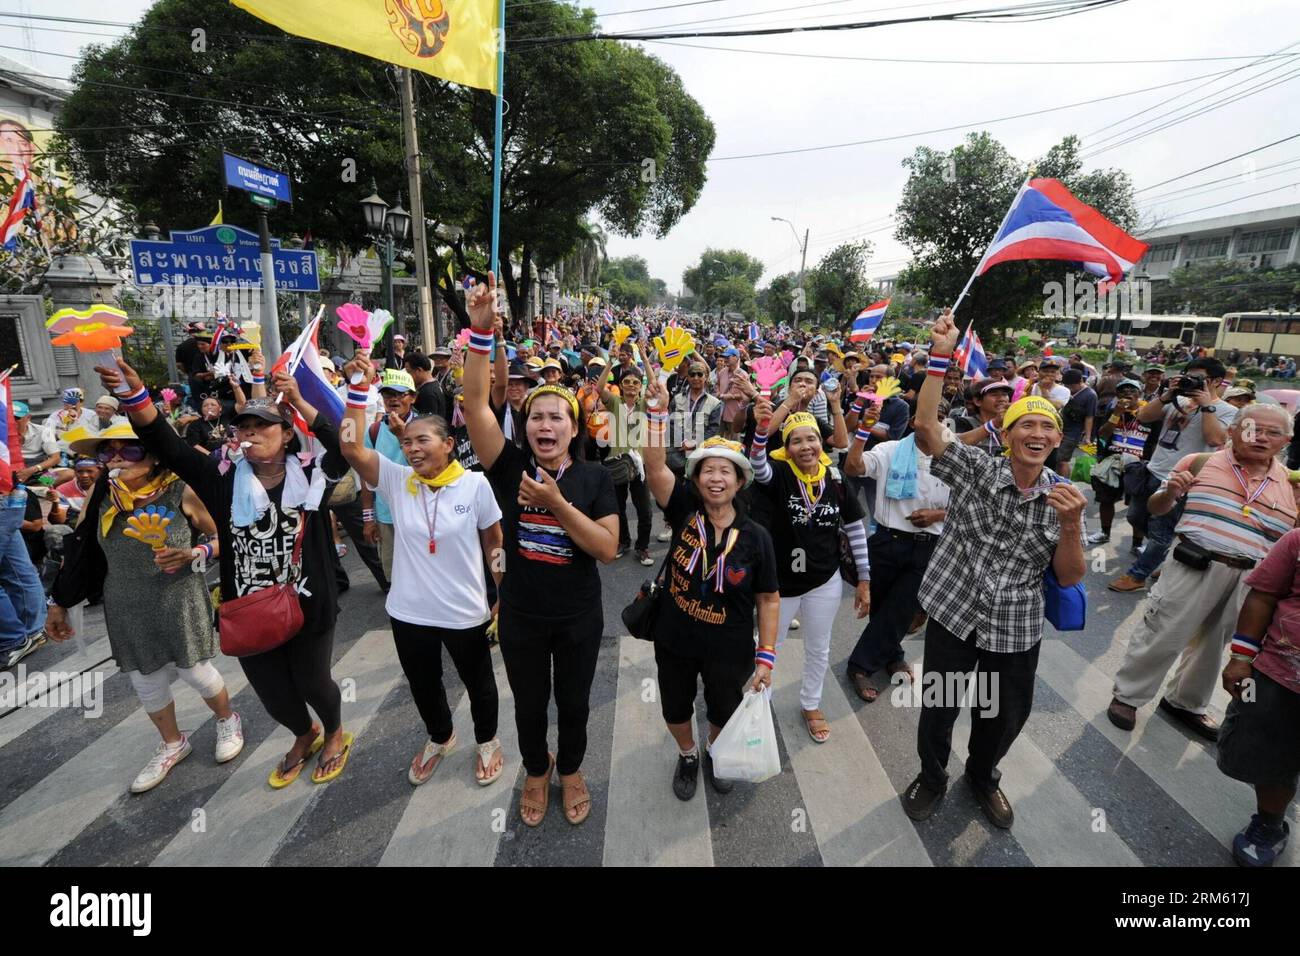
(1130, 435)
(1216, 514)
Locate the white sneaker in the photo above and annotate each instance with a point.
(794, 624)
(230, 738)
(665, 535)
(164, 758)
(1098, 537)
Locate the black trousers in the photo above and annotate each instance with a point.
(990, 736)
(294, 676)
(641, 501)
(419, 648)
(897, 566)
(349, 516)
(531, 648)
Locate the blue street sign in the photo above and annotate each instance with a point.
(247, 175)
(220, 256)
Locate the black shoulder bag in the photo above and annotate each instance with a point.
(639, 617)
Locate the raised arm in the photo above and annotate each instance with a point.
(659, 477)
(501, 365)
(352, 431)
(929, 432)
(484, 432)
(766, 424)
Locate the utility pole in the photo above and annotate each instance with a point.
(419, 242)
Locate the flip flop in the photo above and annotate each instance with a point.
(486, 754)
(341, 757)
(281, 778)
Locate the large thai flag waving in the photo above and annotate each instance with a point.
(302, 359)
(23, 199)
(970, 355)
(1046, 222)
(868, 320)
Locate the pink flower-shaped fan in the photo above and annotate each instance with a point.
(768, 370)
(354, 322)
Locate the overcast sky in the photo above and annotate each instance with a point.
(761, 103)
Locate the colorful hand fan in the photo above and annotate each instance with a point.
(65, 320)
(673, 346)
(884, 388)
(149, 526)
(621, 332)
(354, 322)
(769, 371)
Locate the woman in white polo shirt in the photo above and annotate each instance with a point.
(444, 520)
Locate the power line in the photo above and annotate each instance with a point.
(1236, 176)
(949, 129)
(1044, 9)
(1224, 184)
(1229, 202)
(1257, 149)
(894, 59)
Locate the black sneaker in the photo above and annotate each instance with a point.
(919, 801)
(32, 643)
(995, 805)
(721, 786)
(686, 776)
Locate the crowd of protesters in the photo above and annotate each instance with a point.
(483, 483)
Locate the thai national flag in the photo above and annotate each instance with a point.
(1047, 222)
(753, 332)
(302, 359)
(868, 320)
(970, 355)
(23, 199)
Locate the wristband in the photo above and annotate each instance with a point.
(937, 366)
(367, 515)
(358, 398)
(137, 401)
(258, 379)
(203, 551)
(481, 342)
(766, 658)
(1243, 647)
(657, 418)
(862, 434)
(858, 407)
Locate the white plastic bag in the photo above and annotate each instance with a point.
(746, 749)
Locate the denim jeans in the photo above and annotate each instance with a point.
(1160, 537)
(22, 599)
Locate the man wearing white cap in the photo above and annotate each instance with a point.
(106, 416)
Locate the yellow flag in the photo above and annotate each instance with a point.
(456, 41)
(218, 219)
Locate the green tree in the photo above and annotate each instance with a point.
(593, 129)
(952, 206)
(1219, 286)
(581, 267)
(628, 281)
(724, 279)
(837, 286)
(777, 299)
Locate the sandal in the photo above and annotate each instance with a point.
(536, 796)
(339, 761)
(902, 667)
(811, 718)
(862, 684)
(575, 793)
(427, 760)
(283, 775)
(487, 753)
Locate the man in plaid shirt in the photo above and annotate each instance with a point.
(985, 600)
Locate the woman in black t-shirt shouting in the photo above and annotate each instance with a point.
(559, 517)
(721, 568)
(804, 501)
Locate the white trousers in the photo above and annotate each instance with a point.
(1190, 616)
(155, 690)
(816, 612)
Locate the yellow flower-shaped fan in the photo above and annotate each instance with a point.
(884, 388)
(149, 526)
(621, 332)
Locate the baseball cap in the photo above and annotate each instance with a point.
(997, 364)
(266, 410)
(399, 337)
(1134, 384)
(728, 352)
(1153, 368)
(21, 410)
(441, 352)
(1238, 392)
(396, 380)
(552, 363)
(72, 396)
(995, 386)
(519, 371)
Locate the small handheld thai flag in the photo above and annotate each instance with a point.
(302, 359)
(970, 355)
(868, 320)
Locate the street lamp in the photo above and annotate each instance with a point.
(803, 258)
(389, 225)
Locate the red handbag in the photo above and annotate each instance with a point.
(262, 621)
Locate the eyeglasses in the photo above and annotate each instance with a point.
(695, 375)
(131, 453)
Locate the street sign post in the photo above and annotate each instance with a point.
(221, 256)
(265, 187)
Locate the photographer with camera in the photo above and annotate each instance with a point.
(1195, 420)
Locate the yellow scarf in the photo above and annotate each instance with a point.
(122, 499)
(444, 477)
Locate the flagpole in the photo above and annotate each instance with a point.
(1020, 192)
(494, 262)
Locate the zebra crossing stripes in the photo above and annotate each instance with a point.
(646, 825)
(869, 829)
(245, 821)
(450, 820)
(45, 818)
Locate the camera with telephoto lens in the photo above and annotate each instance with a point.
(1190, 384)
